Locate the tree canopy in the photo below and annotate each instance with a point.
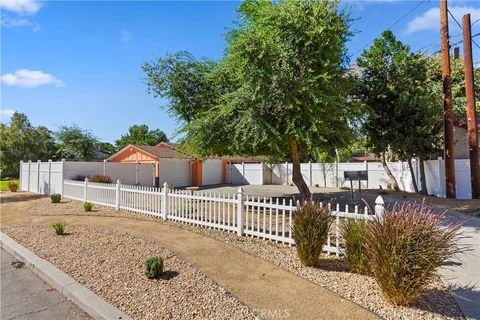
(140, 134)
(279, 91)
(401, 109)
(76, 143)
(19, 140)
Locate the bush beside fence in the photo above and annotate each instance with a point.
(265, 218)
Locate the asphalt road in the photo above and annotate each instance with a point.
(25, 296)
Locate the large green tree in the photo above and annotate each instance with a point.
(76, 143)
(434, 64)
(401, 107)
(140, 134)
(19, 140)
(279, 91)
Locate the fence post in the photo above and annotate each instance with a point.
(20, 174)
(85, 186)
(441, 178)
(154, 182)
(244, 180)
(310, 172)
(165, 201)
(105, 167)
(63, 177)
(38, 175)
(240, 211)
(49, 176)
(286, 168)
(28, 177)
(136, 173)
(366, 168)
(117, 196)
(379, 208)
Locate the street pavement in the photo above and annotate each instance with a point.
(25, 296)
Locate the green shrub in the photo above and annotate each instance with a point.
(79, 177)
(88, 206)
(59, 227)
(153, 267)
(13, 185)
(101, 179)
(55, 198)
(311, 224)
(406, 246)
(354, 232)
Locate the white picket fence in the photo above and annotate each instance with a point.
(245, 215)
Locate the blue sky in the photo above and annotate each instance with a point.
(65, 62)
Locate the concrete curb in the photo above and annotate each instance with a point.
(63, 283)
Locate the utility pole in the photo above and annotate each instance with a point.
(471, 112)
(448, 148)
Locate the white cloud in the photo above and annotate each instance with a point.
(21, 6)
(21, 22)
(6, 114)
(30, 79)
(430, 20)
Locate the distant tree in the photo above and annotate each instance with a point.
(105, 147)
(434, 64)
(19, 140)
(393, 86)
(279, 91)
(75, 143)
(140, 134)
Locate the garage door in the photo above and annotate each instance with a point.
(175, 172)
(211, 172)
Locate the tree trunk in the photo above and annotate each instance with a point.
(389, 173)
(297, 173)
(412, 173)
(423, 181)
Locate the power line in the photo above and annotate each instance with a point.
(393, 24)
(451, 15)
(475, 22)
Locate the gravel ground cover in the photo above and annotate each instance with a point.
(97, 258)
(331, 273)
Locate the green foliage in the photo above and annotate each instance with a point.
(279, 91)
(59, 227)
(434, 65)
(76, 143)
(79, 177)
(99, 178)
(401, 107)
(87, 206)
(153, 267)
(140, 134)
(192, 86)
(311, 224)
(354, 233)
(406, 247)
(55, 198)
(19, 140)
(106, 148)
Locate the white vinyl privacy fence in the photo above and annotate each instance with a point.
(47, 177)
(331, 175)
(245, 215)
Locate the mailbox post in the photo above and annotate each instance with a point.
(358, 175)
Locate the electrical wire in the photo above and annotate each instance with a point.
(399, 19)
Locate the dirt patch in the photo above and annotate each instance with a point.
(110, 263)
(331, 273)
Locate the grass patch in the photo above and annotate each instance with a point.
(4, 184)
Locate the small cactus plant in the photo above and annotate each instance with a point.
(154, 267)
(88, 206)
